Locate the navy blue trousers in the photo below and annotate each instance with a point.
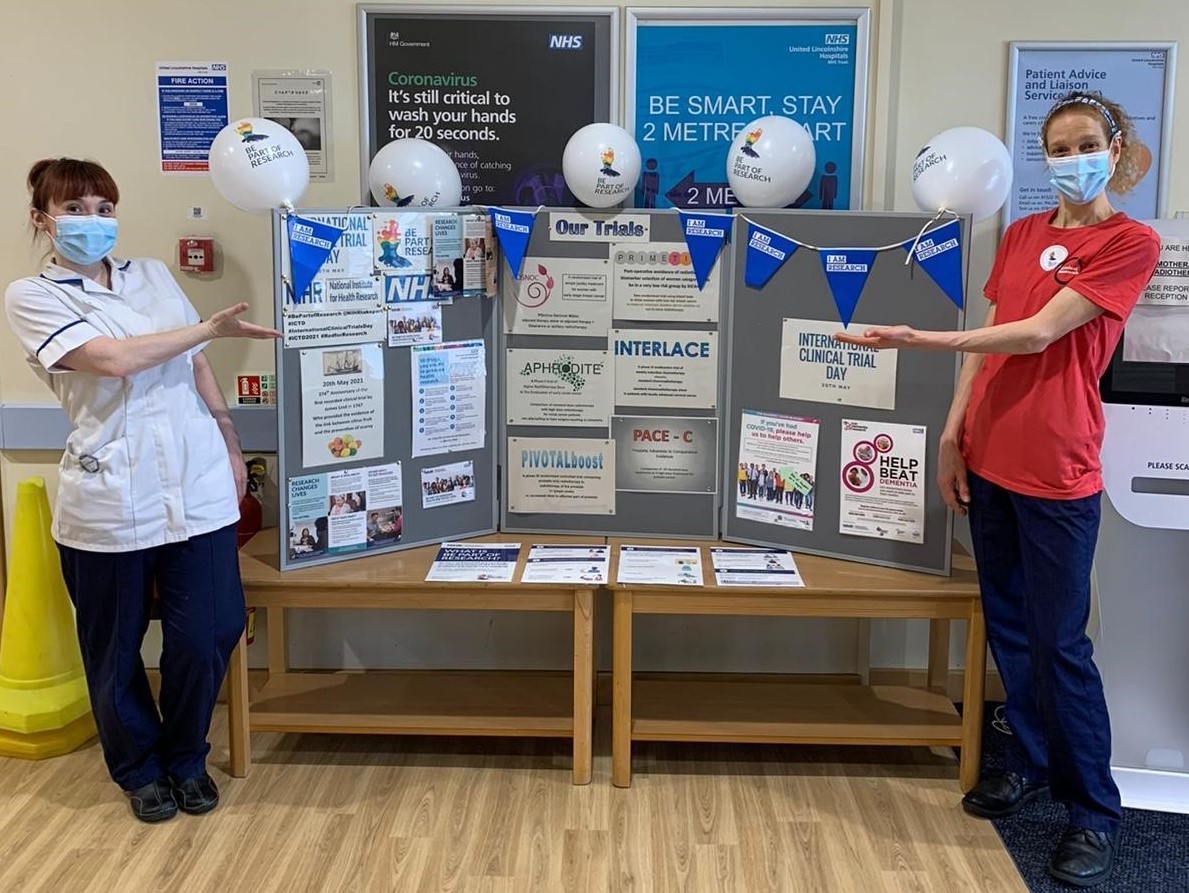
(202, 615)
(1034, 559)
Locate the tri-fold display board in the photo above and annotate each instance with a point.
(425, 393)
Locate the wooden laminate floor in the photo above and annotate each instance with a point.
(352, 813)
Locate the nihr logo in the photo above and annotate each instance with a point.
(565, 41)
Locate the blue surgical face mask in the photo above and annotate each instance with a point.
(1081, 178)
(84, 240)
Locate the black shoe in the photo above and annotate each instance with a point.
(153, 802)
(1001, 795)
(1084, 858)
(196, 795)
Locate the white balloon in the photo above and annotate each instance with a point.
(966, 170)
(258, 165)
(770, 162)
(414, 173)
(601, 164)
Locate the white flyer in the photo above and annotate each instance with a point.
(656, 282)
(342, 404)
(417, 322)
(660, 565)
(449, 397)
(672, 369)
(448, 484)
(322, 325)
(300, 102)
(566, 564)
(475, 563)
(776, 474)
(813, 366)
(755, 567)
(561, 475)
(572, 388)
(882, 482)
(560, 296)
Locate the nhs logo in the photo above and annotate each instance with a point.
(837, 39)
(565, 41)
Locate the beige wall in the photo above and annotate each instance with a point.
(79, 80)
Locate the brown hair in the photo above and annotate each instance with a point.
(58, 179)
(1134, 156)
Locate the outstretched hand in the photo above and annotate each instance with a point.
(880, 337)
(227, 324)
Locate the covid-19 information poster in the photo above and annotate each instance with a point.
(501, 93)
(695, 81)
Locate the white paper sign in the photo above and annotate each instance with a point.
(559, 387)
(660, 565)
(755, 567)
(674, 369)
(1169, 285)
(475, 563)
(560, 296)
(322, 326)
(776, 475)
(813, 366)
(300, 102)
(883, 481)
(417, 322)
(342, 404)
(449, 397)
(657, 282)
(566, 564)
(561, 476)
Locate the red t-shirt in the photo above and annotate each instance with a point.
(1034, 423)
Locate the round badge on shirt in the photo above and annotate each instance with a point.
(1052, 257)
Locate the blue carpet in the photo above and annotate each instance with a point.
(1153, 852)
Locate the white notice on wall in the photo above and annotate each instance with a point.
(673, 369)
(1169, 285)
(883, 481)
(560, 296)
(449, 390)
(342, 404)
(813, 366)
(573, 388)
(657, 282)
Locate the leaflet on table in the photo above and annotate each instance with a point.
(755, 567)
(665, 454)
(656, 282)
(475, 563)
(660, 565)
(561, 476)
(813, 366)
(417, 322)
(345, 511)
(566, 564)
(883, 481)
(675, 369)
(559, 387)
(335, 311)
(448, 484)
(342, 404)
(447, 256)
(776, 474)
(560, 296)
(401, 243)
(449, 397)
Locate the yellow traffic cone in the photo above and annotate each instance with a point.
(44, 710)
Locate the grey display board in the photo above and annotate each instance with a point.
(463, 319)
(652, 505)
(894, 293)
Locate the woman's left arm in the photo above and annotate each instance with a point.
(1061, 315)
(212, 396)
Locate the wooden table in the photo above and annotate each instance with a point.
(801, 712)
(422, 702)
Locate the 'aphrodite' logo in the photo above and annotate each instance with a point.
(535, 287)
(244, 129)
(608, 160)
(393, 196)
(566, 369)
(388, 239)
(750, 140)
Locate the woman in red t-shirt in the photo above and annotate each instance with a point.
(1020, 454)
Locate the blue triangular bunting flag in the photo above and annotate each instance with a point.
(704, 236)
(939, 253)
(846, 272)
(767, 250)
(310, 243)
(513, 229)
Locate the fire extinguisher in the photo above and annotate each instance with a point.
(251, 519)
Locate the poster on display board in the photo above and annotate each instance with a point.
(500, 89)
(882, 480)
(696, 78)
(1137, 76)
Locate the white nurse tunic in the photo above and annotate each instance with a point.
(146, 464)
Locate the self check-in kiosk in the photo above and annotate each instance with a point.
(1142, 562)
